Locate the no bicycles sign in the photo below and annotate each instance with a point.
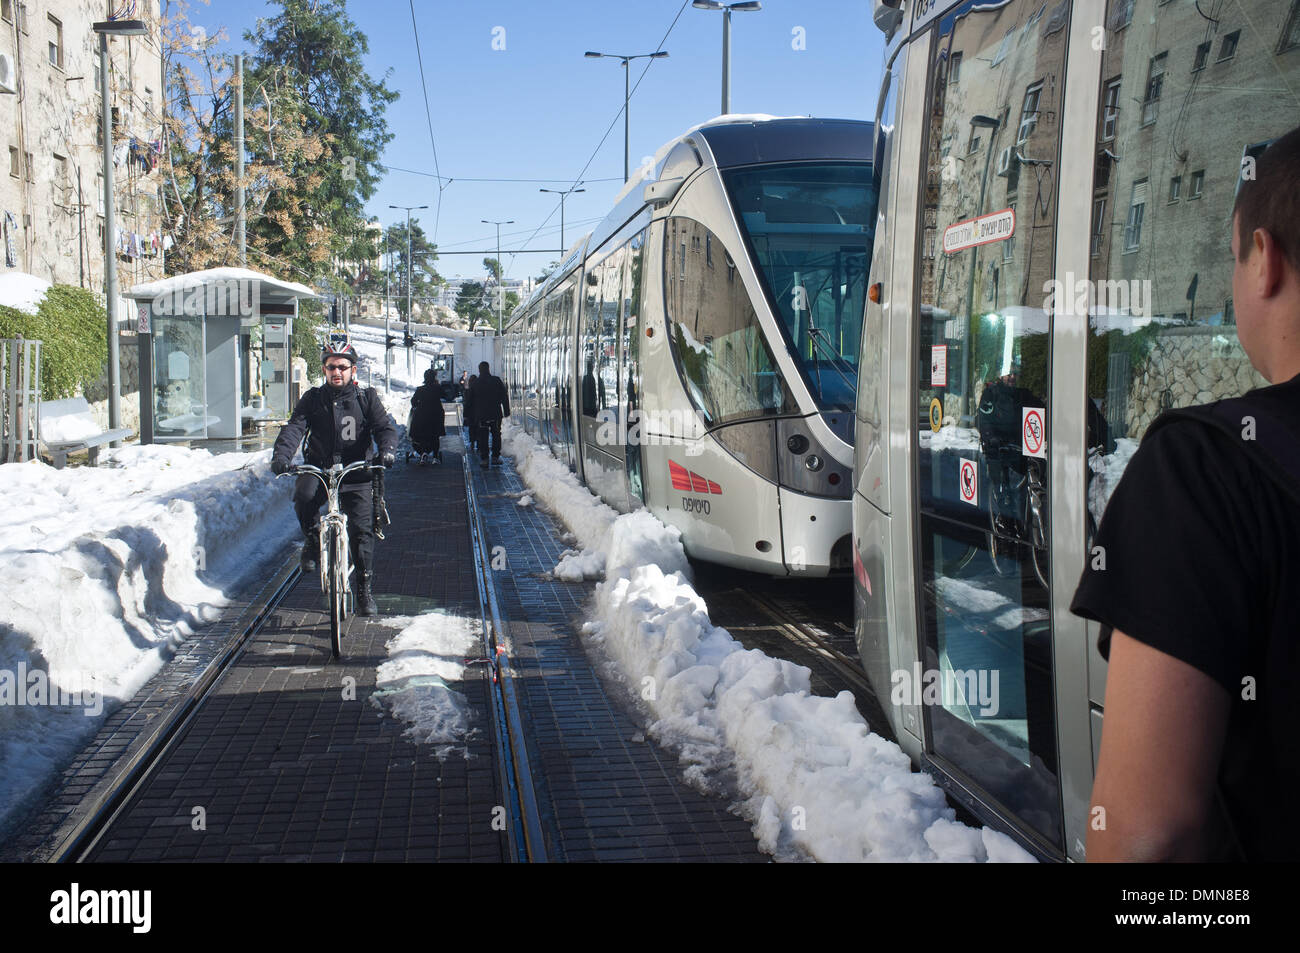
(1033, 432)
(968, 481)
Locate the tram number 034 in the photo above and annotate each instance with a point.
(695, 506)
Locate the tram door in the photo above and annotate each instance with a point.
(988, 213)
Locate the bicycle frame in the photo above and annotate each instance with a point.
(335, 550)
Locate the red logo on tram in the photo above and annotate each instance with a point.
(691, 482)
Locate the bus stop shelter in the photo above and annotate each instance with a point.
(214, 352)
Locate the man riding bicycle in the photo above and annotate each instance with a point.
(340, 422)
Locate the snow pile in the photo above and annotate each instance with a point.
(428, 653)
(525, 500)
(22, 291)
(813, 779)
(551, 482)
(106, 570)
(1107, 469)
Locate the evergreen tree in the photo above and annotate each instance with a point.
(312, 49)
(424, 279)
(473, 304)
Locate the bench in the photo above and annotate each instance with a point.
(68, 426)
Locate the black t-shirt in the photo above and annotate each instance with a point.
(1202, 552)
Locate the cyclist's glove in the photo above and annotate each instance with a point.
(388, 459)
(279, 465)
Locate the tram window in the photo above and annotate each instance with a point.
(720, 350)
(1291, 31)
(983, 370)
(810, 229)
(1170, 342)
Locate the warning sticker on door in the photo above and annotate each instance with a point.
(939, 365)
(968, 478)
(1033, 432)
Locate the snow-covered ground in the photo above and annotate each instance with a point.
(813, 779)
(106, 570)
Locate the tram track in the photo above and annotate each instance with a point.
(102, 806)
(525, 831)
(809, 623)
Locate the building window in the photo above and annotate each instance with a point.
(7, 10)
(1098, 218)
(1291, 31)
(1175, 188)
(1197, 184)
(1228, 48)
(1121, 15)
(1110, 110)
(1155, 82)
(15, 162)
(973, 143)
(1101, 179)
(1229, 317)
(56, 42)
(1005, 47)
(1202, 56)
(954, 68)
(1029, 113)
(1136, 210)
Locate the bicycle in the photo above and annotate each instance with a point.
(335, 554)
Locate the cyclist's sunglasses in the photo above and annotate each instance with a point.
(338, 367)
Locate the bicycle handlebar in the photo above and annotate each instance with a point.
(337, 472)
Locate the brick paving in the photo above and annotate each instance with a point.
(285, 762)
(610, 793)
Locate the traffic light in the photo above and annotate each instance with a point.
(391, 342)
(409, 341)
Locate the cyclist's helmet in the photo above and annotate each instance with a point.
(341, 348)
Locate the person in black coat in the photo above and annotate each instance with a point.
(489, 404)
(340, 423)
(427, 425)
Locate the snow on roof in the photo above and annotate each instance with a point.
(196, 279)
(22, 291)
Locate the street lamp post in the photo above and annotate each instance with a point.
(658, 54)
(408, 208)
(500, 288)
(563, 195)
(726, 9)
(105, 29)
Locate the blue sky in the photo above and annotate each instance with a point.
(538, 108)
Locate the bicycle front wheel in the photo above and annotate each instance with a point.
(338, 590)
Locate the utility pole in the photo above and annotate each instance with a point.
(500, 271)
(240, 221)
(593, 55)
(563, 195)
(410, 357)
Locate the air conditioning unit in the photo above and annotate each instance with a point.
(8, 79)
(1005, 158)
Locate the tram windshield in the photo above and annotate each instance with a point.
(810, 228)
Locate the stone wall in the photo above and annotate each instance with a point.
(1188, 366)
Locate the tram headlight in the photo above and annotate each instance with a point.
(797, 443)
(814, 462)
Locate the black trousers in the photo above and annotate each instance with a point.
(486, 428)
(356, 502)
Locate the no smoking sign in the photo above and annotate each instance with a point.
(1033, 432)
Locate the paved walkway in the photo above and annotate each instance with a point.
(288, 759)
(611, 793)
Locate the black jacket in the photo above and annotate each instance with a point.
(487, 400)
(339, 427)
(426, 423)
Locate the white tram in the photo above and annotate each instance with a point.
(697, 353)
(1051, 270)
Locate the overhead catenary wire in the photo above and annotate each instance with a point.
(614, 122)
(424, 87)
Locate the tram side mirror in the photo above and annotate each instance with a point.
(662, 192)
(887, 15)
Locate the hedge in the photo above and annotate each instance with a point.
(72, 328)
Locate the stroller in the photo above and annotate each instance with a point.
(426, 426)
